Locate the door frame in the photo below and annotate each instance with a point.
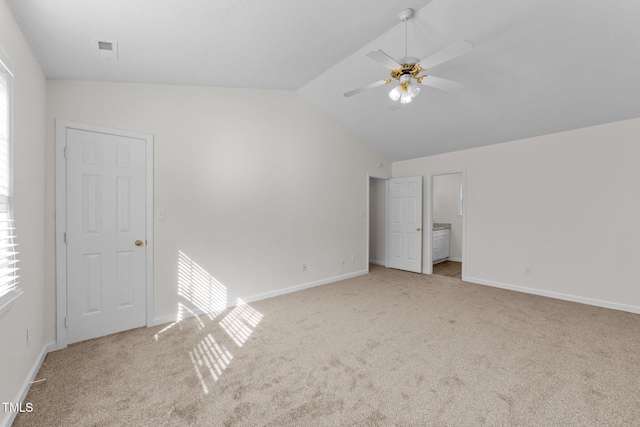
(61, 219)
(386, 198)
(429, 267)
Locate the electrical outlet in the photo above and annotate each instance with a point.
(304, 267)
(342, 263)
(527, 270)
(353, 259)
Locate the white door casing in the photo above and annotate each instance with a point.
(404, 241)
(104, 287)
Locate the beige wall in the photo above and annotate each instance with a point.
(29, 92)
(257, 182)
(254, 182)
(446, 190)
(377, 219)
(565, 204)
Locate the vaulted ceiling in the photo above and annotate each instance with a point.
(538, 67)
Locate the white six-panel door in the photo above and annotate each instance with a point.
(405, 223)
(106, 286)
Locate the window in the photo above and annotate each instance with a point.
(9, 290)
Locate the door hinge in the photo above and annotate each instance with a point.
(66, 324)
(65, 152)
(65, 236)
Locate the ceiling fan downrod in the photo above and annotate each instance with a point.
(404, 16)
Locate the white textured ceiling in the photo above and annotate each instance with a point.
(538, 67)
(269, 44)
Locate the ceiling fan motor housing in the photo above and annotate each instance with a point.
(409, 60)
(411, 69)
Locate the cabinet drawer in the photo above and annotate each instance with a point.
(440, 233)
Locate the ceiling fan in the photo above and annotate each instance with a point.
(408, 69)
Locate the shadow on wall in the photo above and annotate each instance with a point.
(208, 297)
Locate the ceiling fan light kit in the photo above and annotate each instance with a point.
(405, 91)
(409, 69)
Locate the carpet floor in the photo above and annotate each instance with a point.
(390, 348)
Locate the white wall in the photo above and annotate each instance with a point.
(377, 220)
(446, 199)
(565, 204)
(254, 182)
(29, 92)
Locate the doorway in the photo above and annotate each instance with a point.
(447, 224)
(104, 231)
(377, 220)
(377, 224)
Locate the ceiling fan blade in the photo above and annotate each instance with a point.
(447, 54)
(367, 87)
(384, 59)
(442, 84)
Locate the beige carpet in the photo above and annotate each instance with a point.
(390, 348)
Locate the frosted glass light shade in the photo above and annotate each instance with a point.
(395, 93)
(405, 98)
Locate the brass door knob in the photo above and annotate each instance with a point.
(418, 229)
(138, 242)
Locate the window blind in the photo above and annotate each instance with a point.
(8, 255)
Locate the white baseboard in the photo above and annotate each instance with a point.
(373, 261)
(9, 417)
(174, 317)
(303, 286)
(254, 298)
(556, 295)
(447, 259)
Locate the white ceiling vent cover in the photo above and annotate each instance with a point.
(107, 49)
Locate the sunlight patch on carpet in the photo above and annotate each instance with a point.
(182, 314)
(240, 323)
(209, 359)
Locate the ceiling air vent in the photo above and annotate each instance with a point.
(107, 49)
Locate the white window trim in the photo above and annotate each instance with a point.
(7, 299)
